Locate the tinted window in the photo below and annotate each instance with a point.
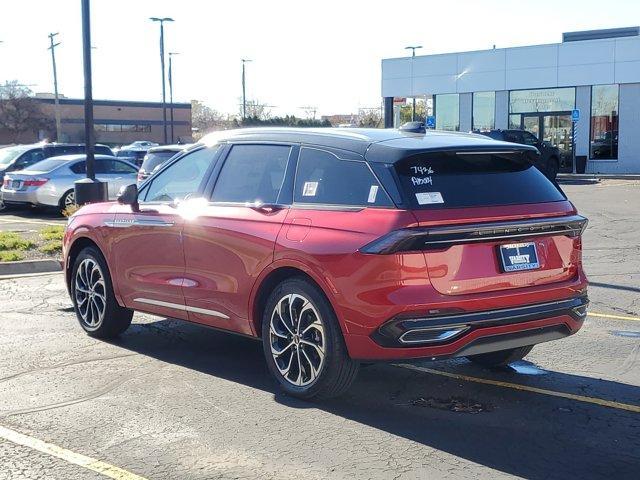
(79, 167)
(529, 138)
(181, 179)
(446, 180)
(112, 166)
(323, 178)
(513, 137)
(29, 158)
(153, 159)
(252, 173)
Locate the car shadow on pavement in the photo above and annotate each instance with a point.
(520, 433)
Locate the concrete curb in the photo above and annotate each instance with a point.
(29, 267)
(597, 176)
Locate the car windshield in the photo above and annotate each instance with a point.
(458, 179)
(153, 159)
(8, 155)
(46, 165)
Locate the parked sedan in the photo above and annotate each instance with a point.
(339, 246)
(156, 157)
(50, 183)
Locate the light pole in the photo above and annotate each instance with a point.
(413, 55)
(52, 47)
(171, 54)
(164, 105)
(88, 189)
(244, 91)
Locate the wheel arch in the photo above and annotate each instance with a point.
(269, 280)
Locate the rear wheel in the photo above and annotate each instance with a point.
(303, 344)
(501, 358)
(93, 299)
(68, 200)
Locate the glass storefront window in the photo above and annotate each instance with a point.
(542, 100)
(448, 112)
(514, 122)
(604, 122)
(484, 110)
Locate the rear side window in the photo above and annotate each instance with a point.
(252, 173)
(453, 180)
(323, 178)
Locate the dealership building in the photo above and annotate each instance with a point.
(535, 88)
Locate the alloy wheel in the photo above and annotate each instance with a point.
(297, 337)
(70, 199)
(90, 293)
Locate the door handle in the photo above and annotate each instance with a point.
(268, 208)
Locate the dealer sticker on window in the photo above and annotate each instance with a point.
(309, 189)
(427, 198)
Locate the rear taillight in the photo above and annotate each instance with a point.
(422, 238)
(35, 182)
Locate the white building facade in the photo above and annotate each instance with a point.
(536, 88)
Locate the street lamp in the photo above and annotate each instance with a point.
(413, 55)
(244, 92)
(171, 54)
(164, 105)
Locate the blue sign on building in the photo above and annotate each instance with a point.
(431, 121)
(575, 115)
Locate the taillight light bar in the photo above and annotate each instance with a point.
(426, 238)
(35, 182)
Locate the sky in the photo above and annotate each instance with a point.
(321, 54)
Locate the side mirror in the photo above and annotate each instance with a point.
(128, 195)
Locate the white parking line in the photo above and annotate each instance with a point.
(31, 222)
(103, 468)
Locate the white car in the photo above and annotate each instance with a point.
(50, 183)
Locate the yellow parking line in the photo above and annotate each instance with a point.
(89, 463)
(615, 317)
(33, 222)
(526, 388)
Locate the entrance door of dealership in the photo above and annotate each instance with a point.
(552, 127)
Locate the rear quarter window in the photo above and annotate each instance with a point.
(323, 178)
(454, 180)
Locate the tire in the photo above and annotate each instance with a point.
(314, 338)
(501, 358)
(553, 167)
(91, 289)
(67, 200)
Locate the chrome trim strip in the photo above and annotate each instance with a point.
(447, 333)
(125, 223)
(184, 308)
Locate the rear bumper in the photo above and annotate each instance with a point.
(470, 333)
(33, 196)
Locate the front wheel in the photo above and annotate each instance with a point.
(501, 358)
(93, 299)
(303, 343)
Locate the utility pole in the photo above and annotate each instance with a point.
(244, 91)
(52, 47)
(164, 104)
(171, 54)
(413, 56)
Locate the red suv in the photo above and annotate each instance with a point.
(336, 247)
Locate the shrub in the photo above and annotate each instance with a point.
(11, 256)
(13, 241)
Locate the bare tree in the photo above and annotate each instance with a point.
(257, 110)
(19, 111)
(205, 119)
(370, 117)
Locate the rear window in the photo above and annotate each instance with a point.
(153, 159)
(45, 165)
(59, 150)
(453, 180)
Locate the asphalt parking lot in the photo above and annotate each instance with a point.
(170, 400)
